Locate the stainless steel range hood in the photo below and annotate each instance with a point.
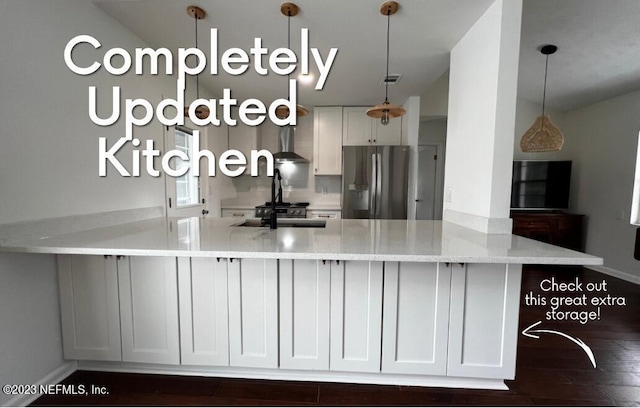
(286, 145)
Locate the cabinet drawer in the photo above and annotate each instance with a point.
(238, 213)
(326, 214)
(534, 224)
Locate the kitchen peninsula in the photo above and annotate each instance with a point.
(373, 301)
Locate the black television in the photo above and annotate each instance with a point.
(540, 185)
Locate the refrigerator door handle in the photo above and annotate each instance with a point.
(373, 186)
(379, 174)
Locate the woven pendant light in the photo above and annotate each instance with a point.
(387, 110)
(543, 135)
(289, 10)
(202, 112)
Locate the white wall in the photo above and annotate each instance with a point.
(481, 119)
(434, 102)
(602, 140)
(49, 161)
(49, 158)
(30, 340)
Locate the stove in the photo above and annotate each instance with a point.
(283, 210)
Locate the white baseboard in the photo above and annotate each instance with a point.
(54, 377)
(298, 375)
(615, 273)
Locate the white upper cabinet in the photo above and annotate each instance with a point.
(358, 129)
(327, 140)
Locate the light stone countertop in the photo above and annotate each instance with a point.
(381, 240)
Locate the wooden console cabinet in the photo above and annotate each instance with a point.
(554, 227)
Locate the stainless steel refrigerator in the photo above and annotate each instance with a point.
(374, 182)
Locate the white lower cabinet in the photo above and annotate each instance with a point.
(204, 324)
(90, 313)
(409, 318)
(149, 309)
(253, 312)
(356, 316)
(483, 332)
(304, 314)
(416, 318)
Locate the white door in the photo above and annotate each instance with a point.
(356, 316)
(204, 333)
(416, 318)
(186, 195)
(485, 300)
(89, 308)
(304, 314)
(149, 309)
(253, 312)
(427, 173)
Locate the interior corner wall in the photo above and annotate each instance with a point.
(434, 101)
(602, 141)
(481, 116)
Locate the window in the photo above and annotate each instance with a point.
(187, 186)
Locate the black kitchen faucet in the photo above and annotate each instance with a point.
(273, 220)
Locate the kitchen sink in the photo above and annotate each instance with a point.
(287, 222)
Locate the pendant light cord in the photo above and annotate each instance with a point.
(289, 47)
(544, 91)
(386, 78)
(197, 76)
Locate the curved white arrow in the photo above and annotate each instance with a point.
(527, 332)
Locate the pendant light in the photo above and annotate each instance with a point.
(387, 110)
(289, 10)
(202, 112)
(543, 135)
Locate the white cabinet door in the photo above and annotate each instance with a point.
(89, 307)
(416, 318)
(204, 333)
(327, 140)
(253, 312)
(356, 316)
(238, 212)
(356, 126)
(149, 309)
(485, 299)
(304, 314)
(389, 134)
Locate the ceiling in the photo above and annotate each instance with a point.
(597, 56)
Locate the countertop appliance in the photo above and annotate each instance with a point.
(375, 181)
(283, 210)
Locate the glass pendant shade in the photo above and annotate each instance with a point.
(542, 136)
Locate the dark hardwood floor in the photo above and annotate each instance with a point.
(551, 370)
